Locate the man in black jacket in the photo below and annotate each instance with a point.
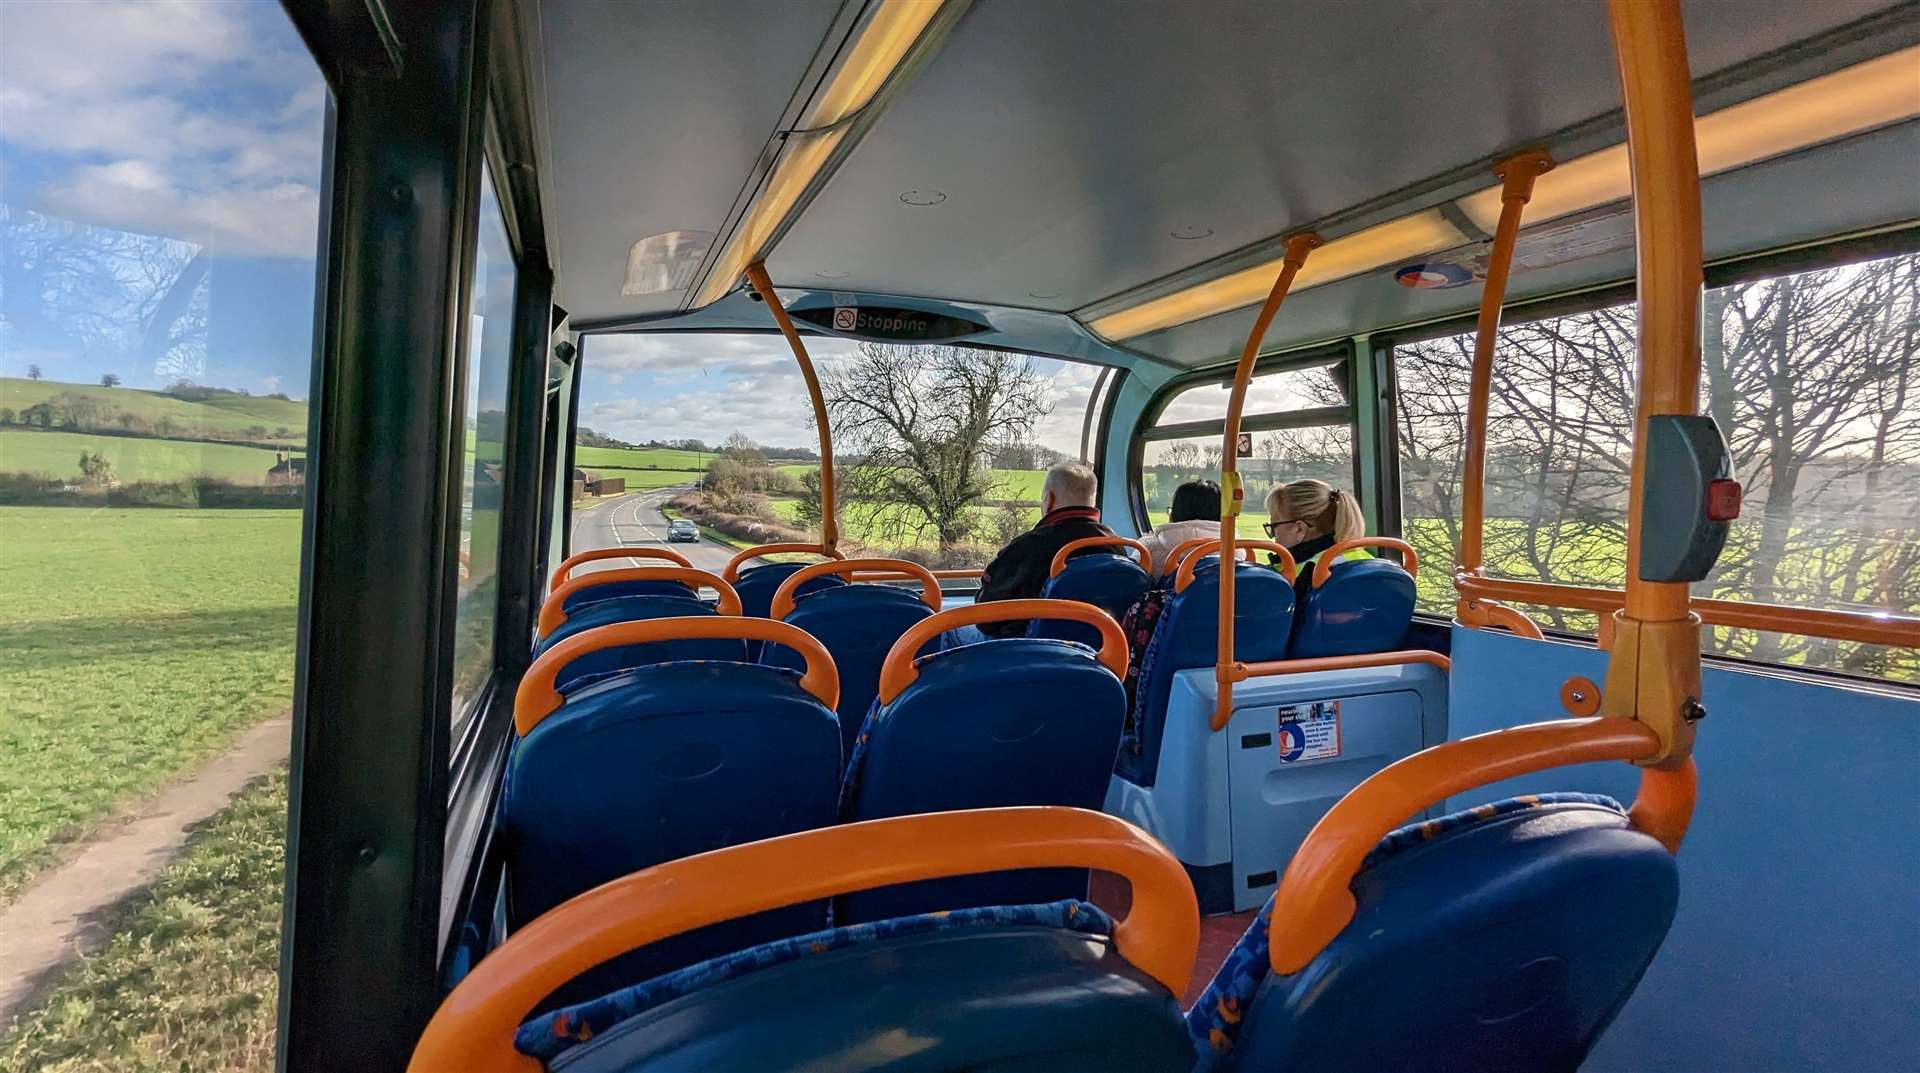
(1067, 514)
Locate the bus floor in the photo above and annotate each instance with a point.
(1217, 933)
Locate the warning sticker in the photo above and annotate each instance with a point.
(846, 319)
(1309, 731)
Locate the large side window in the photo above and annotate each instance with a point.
(1815, 379)
(1300, 421)
(159, 218)
(489, 354)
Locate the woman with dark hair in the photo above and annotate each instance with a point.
(1195, 515)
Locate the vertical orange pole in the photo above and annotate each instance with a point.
(1231, 494)
(829, 510)
(1653, 672)
(1516, 174)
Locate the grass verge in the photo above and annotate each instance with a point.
(189, 980)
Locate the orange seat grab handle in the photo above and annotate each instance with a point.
(1074, 547)
(1315, 894)
(747, 555)
(898, 672)
(537, 698)
(473, 1030)
(581, 558)
(554, 611)
(1184, 576)
(1480, 612)
(783, 598)
(1182, 549)
(1323, 566)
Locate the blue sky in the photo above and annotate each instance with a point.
(150, 149)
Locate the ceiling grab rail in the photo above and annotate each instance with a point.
(1516, 174)
(1653, 672)
(829, 510)
(1231, 493)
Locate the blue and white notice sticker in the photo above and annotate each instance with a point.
(1309, 731)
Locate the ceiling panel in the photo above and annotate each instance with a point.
(656, 113)
(1073, 139)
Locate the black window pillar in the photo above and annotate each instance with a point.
(378, 584)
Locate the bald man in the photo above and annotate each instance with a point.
(1067, 514)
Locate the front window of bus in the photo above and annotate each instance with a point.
(716, 430)
(160, 176)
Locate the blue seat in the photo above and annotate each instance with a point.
(1013, 989)
(1015, 721)
(858, 624)
(757, 586)
(1365, 605)
(1186, 637)
(609, 590)
(658, 763)
(576, 595)
(637, 609)
(1503, 937)
(1110, 582)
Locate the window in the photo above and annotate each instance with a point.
(1815, 380)
(717, 429)
(1301, 426)
(489, 354)
(159, 218)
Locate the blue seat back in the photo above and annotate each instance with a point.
(1187, 636)
(635, 609)
(1011, 989)
(1018, 721)
(659, 763)
(756, 586)
(1499, 938)
(609, 590)
(1365, 605)
(858, 624)
(1109, 582)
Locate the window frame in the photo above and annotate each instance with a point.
(1901, 240)
(1147, 430)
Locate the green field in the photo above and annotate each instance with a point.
(138, 643)
(640, 458)
(224, 415)
(133, 458)
(189, 979)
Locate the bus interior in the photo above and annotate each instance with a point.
(664, 804)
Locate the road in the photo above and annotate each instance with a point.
(635, 521)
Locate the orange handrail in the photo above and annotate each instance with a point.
(961, 574)
(1653, 671)
(1185, 548)
(1315, 892)
(1232, 495)
(1479, 613)
(1399, 657)
(581, 558)
(1860, 626)
(1516, 174)
(829, 511)
(473, 1029)
(732, 570)
(554, 611)
(537, 698)
(1184, 576)
(1323, 567)
(899, 671)
(929, 585)
(1075, 546)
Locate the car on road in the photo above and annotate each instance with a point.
(683, 532)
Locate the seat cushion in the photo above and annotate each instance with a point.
(1019, 989)
(1501, 937)
(596, 665)
(609, 590)
(1108, 581)
(1365, 605)
(757, 585)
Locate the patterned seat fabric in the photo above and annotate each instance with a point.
(1235, 999)
(548, 1036)
(1365, 605)
(1111, 582)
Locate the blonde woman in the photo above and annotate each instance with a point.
(1308, 517)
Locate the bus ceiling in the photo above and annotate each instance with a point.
(1129, 170)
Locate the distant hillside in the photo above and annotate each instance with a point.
(247, 418)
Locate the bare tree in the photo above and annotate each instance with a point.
(33, 372)
(918, 426)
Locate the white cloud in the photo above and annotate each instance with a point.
(197, 121)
